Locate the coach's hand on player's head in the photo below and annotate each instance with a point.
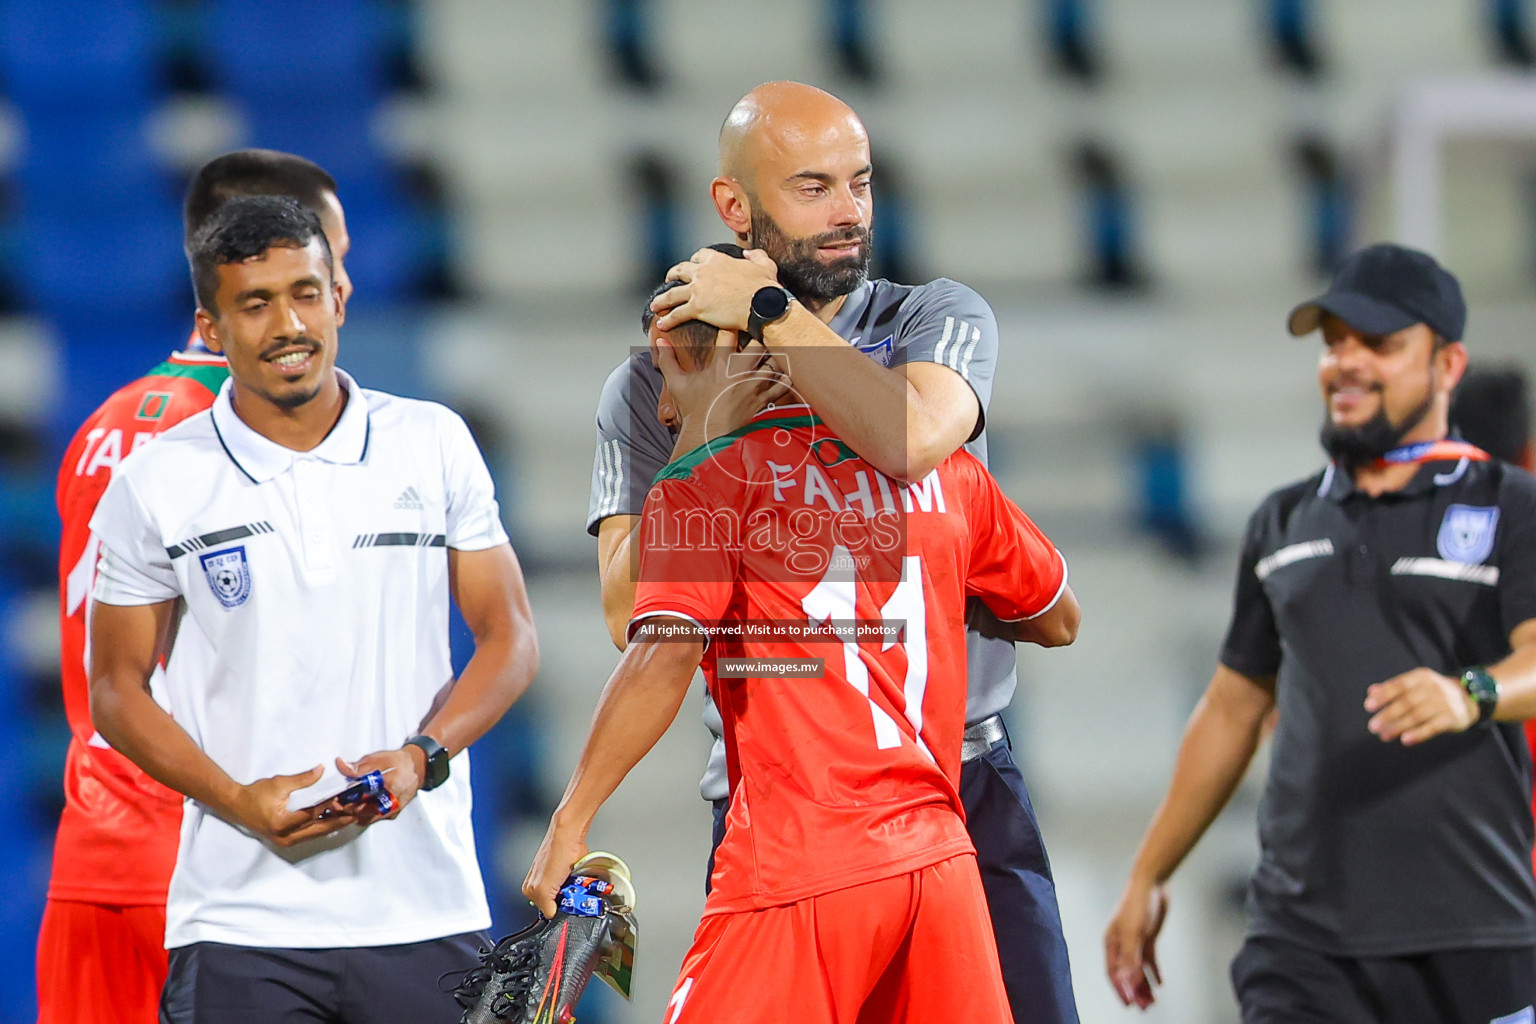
(1130, 943)
(262, 808)
(716, 288)
(1417, 706)
(558, 853)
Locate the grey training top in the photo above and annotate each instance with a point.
(895, 324)
(1372, 848)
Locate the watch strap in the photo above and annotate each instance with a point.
(1483, 689)
(437, 761)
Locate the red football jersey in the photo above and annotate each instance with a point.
(1530, 739)
(118, 834)
(783, 543)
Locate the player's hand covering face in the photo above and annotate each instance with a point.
(719, 396)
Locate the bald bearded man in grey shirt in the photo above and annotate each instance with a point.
(903, 374)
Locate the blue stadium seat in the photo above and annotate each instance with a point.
(314, 91)
(388, 252)
(1070, 30)
(81, 54)
(1510, 21)
(852, 29)
(88, 163)
(298, 53)
(1293, 37)
(24, 847)
(630, 29)
(337, 136)
(120, 265)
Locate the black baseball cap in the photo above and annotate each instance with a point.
(1385, 288)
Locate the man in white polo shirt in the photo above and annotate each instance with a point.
(314, 532)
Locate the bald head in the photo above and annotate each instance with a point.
(778, 119)
(795, 182)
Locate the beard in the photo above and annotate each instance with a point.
(293, 399)
(1353, 447)
(801, 271)
(296, 398)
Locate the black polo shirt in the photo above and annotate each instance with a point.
(1372, 848)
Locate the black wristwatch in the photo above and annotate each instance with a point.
(437, 760)
(770, 304)
(1482, 688)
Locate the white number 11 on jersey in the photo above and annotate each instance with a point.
(835, 597)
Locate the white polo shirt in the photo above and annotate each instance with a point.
(320, 579)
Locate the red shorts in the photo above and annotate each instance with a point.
(98, 963)
(917, 947)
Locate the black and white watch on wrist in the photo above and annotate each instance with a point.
(437, 761)
(1483, 689)
(770, 304)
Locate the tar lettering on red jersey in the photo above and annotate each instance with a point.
(783, 543)
(118, 834)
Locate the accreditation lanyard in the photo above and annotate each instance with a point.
(1432, 451)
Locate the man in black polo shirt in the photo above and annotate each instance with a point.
(1387, 606)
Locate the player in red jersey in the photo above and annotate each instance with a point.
(101, 953)
(846, 887)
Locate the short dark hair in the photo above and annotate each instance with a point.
(252, 172)
(248, 226)
(696, 337)
(647, 314)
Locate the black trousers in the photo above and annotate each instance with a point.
(1279, 982)
(211, 983)
(1021, 894)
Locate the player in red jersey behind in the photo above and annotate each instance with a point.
(846, 887)
(101, 948)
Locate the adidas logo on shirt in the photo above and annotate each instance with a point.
(409, 499)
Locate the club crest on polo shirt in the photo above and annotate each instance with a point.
(229, 575)
(1466, 533)
(880, 351)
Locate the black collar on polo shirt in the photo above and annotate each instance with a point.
(261, 459)
(1338, 484)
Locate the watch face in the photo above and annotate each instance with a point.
(770, 303)
(1483, 689)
